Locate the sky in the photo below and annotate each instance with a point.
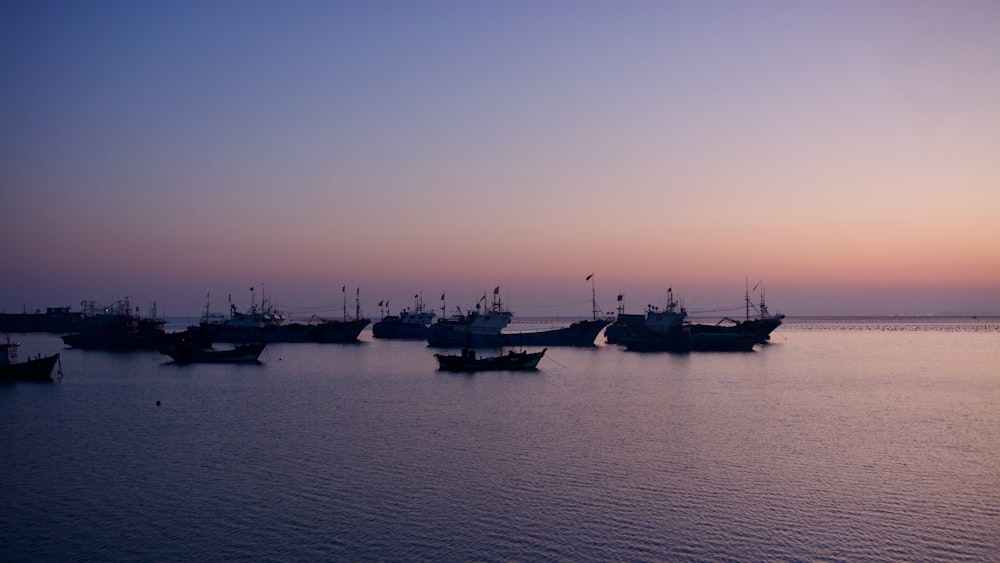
(845, 153)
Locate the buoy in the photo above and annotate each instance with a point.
(157, 403)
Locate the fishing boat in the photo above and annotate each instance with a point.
(473, 327)
(692, 338)
(246, 353)
(581, 333)
(12, 368)
(54, 319)
(765, 322)
(337, 331)
(117, 327)
(656, 319)
(259, 323)
(329, 331)
(264, 323)
(409, 324)
(668, 329)
(468, 361)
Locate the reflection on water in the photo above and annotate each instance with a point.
(860, 439)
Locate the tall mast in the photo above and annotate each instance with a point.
(593, 294)
(746, 285)
(343, 291)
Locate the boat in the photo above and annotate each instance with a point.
(408, 324)
(261, 323)
(12, 368)
(55, 319)
(761, 325)
(668, 329)
(337, 331)
(765, 322)
(692, 338)
(265, 323)
(473, 327)
(511, 361)
(582, 333)
(117, 327)
(246, 353)
(655, 319)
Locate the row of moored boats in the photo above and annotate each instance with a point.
(484, 326)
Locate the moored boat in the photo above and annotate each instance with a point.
(265, 323)
(765, 322)
(691, 338)
(473, 327)
(656, 319)
(581, 333)
(336, 331)
(54, 319)
(259, 323)
(340, 331)
(12, 368)
(117, 327)
(408, 324)
(468, 361)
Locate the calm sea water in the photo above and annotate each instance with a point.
(848, 440)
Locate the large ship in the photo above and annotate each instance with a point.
(54, 319)
(764, 323)
(668, 329)
(692, 338)
(656, 319)
(117, 327)
(265, 323)
(473, 327)
(408, 324)
(581, 333)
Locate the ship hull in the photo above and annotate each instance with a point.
(580, 334)
(400, 331)
(325, 332)
(330, 332)
(692, 338)
(39, 369)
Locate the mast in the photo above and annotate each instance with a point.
(593, 294)
(746, 285)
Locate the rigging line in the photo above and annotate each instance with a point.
(549, 358)
(587, 302)
(698, 311)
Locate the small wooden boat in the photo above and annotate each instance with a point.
(246, 354)
(511, 361)
(34, 369)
